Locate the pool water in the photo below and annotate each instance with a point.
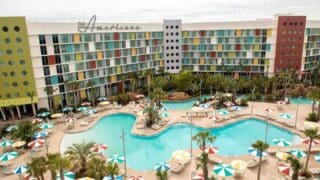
(173, 105)
(144, 152)
(300, 101)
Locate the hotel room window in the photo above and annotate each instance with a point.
(43, 50)
(55, 38)
(42, 39)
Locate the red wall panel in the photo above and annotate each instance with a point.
(51, 60)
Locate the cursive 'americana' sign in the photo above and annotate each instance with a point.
(91, 26)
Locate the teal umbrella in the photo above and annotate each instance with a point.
(82, 109)
(256, 153)
(281, 142)
(237, 108)
(21, 169)
(162, 166)
(286, 115)
(8, 156)
(223, 170)
(43, 114)
(6, 143)
(298, 153)
(11, 128)
(116, 159)
(68, 175)
(46, 125)
(67, 109)
(223, 112)
(164, 114)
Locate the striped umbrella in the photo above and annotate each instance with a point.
(317, 157)
(223, 170)
(21, 169)
(238, 165)
(164, 114)
(281, 102)
(90, 111)
(285, 168)
(255, 152)
(115, 178)
(204, 105)
(136, 177)
(46, 125)
(68, 175)
(162, 166)
(36, 143)
(36, 120)
(281, 142)
(164, 108)
(116, 159)
(315, 142)
(67, 109)
(228, 103)
(223, 112)
(286, 115)
(311, 125)
(40, 134)
(198, 177)
(211, 150)
(8, 156)
(98, 148)
(181, 155)
(11, 128)
(237, 108)
(214, 118)
(298, 153)
(6, 143)
(43, 114)
(85, 104)
(82, 109)
(101, 98)
(282, 156)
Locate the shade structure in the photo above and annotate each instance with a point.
(57, 115)
(8, 156)
(136, 177)
(37, 120)
(11, 128)
(317, 157)
(67, 109)
(68, 175)
(46, 125)
(44, 114)
(228, 103)
(82, 109)
(298, 153)
(164, 114)
(223, 112)
(267, 109)
(198, 177)
(115, 178)
(282, 156)
(238, 164)
(256, 153)
(162, 166)
(40, 134)
(181, 155)
(98, 148)
(281, 142)
(315, 142)
(285, 168)
(36, 143)
(20, 169)
(18, 144)
(85, 104)
(237, 108)
(286, 115)
(223, 170)
(6, 143)
(101, 98)
(116, 159)
(205, 105)
(211, 150)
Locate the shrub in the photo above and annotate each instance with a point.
(312, 117)
(269, 98)
(123, 99)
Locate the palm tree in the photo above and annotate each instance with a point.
(202, 138)
(260, 146)
(162, 175)
(124, 78)
(149, 75)
(79, 155)
(55, 163)
(31, 96)
(295, 165)
(37, 167)
(314, 95)
(91, 91)
(156, 95)
(74, 86)
(113, 170)
(210, 81)
(152, 115)
(133, 84)
(97, 168)
(192, 88)
(49, 90)
(312, 134)
(25, 131)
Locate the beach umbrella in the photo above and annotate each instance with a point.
(8, 156)
(11, 128)
(116, 159)
(315, 142)
(285, 168)
(204, 105)
(67, 109)
(36, 143)
(228, 103)
(46, 125)
(317, 157)
(162, 166)
(237, 108)
(101, 98)
(214, 118)
(20, 169)
(18, 144)
(36, 120)
(223, 170)
(136, 177)
(181, 155)
(281, 142)
(98, 148)
(40, 134)
(82, 109)
(311, 125)
(282, 156)
(85, 104)
(164, 108)
(238, 164)
(211, 150)
(6, 143)
(267, 109)
(164, 114)
(286, 115)
(198, 177)
(68, 175)
(44, 114)
(90, 111)
(57, 115)
(255, 152)
(115, 178)
(298, 153)
(223, 112)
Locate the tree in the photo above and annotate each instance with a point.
(314, 95)
(192, 88)
(183, 80)
(97, 168)
(74, 86)
(156, 95)
(312, 134)
(260, 146)
(37, 167)
(149, 75)
(79, 154)
(26, 130)
(91, 91)
(295, 165)
(113, 170)
(31, 96)
(55, 163)
(152, 115)
(133, 84)
(162, 175)
(202, 138)
(49, 91)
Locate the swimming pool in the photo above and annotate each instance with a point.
(300, 101)
(144, 152)
(176, 105)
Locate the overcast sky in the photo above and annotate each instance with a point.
(156, 10)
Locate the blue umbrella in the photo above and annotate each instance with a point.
(90, 111)
(237, 108)
(115, 178)
(164, 108)
(67, 109)
(46, 125)
(82, 109)
(21, 169)
(116, 159)
(162, 166)
(223, 112)
(281, 142)
(298, 153)
(255, 152)
(43, 114)
(164, 114)
(40, 134)
(11, 128)
(317, 157)
(204, 105)
(223, 170)
(102, 99)
(286, 115)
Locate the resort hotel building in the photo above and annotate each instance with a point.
(64, 57)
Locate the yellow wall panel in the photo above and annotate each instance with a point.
(80, 75)
(133, 35)
(147, 35)
(83, 94)
(133, 51)
(256, 47)
(113, 79)
(231, 54)
(156, 56)
(196, 41)
(238, 32)
(119, 70)
(255, 61)
(161, 62)
(201, 61)
(266, 62)
(269, 32)
(185, 34)
(99, 55)
(76, 38)
(213, 68)
(79, 57)
(219, 47)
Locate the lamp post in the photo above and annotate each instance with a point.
(297, 110)
(200, 90)
(190, 117)
(267, 126)
(122, 137)
(253, 89)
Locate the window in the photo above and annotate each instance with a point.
(177, 27)
(284, 23)
(42, 39)
(5, 29)
(171, 27)
(9, 51)
(11, 63)
(177, 40)
(44, 60)
(177, 67)
(8, 95)
(12, 73)
(4, 74)
(25, 83)
(20, 51)
(16, 28)
(6, 84)
(7, 40)
(16, 95)
(18, 40)
(177, 34)
(46, 71)
(14, 84)
(43, 50)
(56, 49)
(177, 47)
(24, 73)
(55, 38)
(177, 60)
(171, 34)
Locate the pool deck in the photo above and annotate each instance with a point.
(269, 168)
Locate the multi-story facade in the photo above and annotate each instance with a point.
(69, 56)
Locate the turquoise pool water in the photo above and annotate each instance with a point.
(172, 105)
(300, 101)
(144, 152)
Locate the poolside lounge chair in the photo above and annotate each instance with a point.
(7, 170)
(254, 162)
(314, 171)
(215, 159)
